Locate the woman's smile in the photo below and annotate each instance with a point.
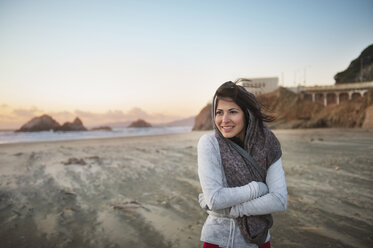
(227, 128)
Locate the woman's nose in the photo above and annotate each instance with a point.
(226, 118)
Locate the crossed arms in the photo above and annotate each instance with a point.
(255, 198)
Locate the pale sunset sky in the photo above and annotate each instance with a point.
(110, 61)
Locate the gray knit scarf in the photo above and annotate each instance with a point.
(265, 149)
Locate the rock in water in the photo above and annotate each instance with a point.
(76, 125)
(140, 123)
(105, 128)
(41, 123)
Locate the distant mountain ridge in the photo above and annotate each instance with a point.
(189, 121)
(178, 123)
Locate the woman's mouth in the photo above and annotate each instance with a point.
(227, 128)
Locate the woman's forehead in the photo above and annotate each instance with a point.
(227, 103)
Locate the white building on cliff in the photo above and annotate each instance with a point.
(259, 86)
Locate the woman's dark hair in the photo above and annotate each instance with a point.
(244, 99)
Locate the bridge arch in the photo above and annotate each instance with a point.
(332, 94)
(343, 97)
(331, 98)
(319, 97)
(355, 95)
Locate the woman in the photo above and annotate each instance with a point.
(240, 172)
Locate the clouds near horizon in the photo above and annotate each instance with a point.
(14, 118)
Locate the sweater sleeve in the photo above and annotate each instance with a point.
(274, 201)
(210, 174)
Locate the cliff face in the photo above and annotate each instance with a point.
(292, 111)
(360, 69)
(368, 121)
(203, 119)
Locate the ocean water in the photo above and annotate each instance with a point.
(13, 137)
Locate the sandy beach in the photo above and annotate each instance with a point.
(143, 191)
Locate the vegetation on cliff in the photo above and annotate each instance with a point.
(360, 69)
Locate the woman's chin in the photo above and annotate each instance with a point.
(228, 135)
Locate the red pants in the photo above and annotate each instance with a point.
(208, 245)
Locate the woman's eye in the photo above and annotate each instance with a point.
(233, 112)
(219, 112)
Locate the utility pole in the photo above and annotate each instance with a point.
(304, 82)
(361, 69)
(282, 79)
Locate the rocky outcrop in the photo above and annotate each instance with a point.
(203, 119)
(140, 123)
(105, 128)
(46, 123)
(41, 123)
(76, 125)
(360, 69)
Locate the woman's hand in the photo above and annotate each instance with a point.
(202, 202)
(274, 201)
(263, 188)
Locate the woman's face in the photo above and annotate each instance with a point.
(230, 119)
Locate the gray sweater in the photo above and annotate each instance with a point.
(226, 203)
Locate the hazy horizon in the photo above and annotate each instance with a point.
(100, 60)
(15, 118)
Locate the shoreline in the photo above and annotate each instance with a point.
(280, 130)
(30, 137)
(91, 139)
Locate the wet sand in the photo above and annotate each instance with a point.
(142, 191)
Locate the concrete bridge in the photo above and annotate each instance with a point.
(334, 94)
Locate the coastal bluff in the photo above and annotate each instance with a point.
(47, 123)
(292, 111)
(203, 119)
